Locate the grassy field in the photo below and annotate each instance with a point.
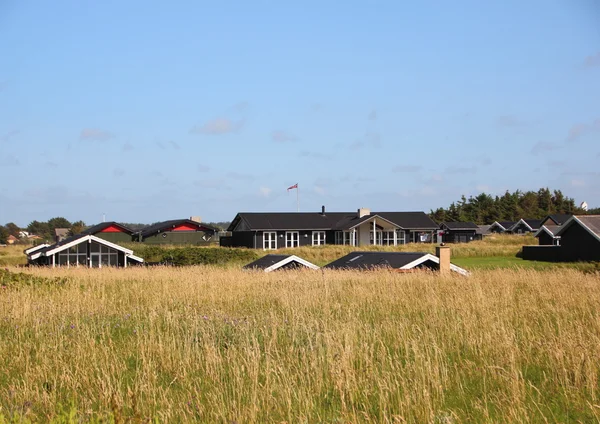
(220, 345)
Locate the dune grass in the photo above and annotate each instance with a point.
(221, 345)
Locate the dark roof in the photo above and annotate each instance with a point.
(255, 221)
(535, 224)
(460, 225)
(550, 229)
(167, 225)
(591, 223)
(62, 243)
(368, 260)
(272, 262)
(99, 227)
(558, 218)
(505, 224)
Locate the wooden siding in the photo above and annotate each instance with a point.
(545, 239)
(579, 244)
(181, 237)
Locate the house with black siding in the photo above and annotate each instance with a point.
(524, 226)
(274, 230)
(459, 232)
(111, 231)
(579, 241)
(178, 231)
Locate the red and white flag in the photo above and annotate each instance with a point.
(293, 187)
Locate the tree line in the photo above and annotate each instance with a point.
(485, 209)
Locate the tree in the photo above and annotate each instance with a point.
(77, 228)
(58, 222)
(3, 234)
(40, 229)
(13, 229)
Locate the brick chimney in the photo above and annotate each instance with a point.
(443, 253)
(363, 212)
(197, 219)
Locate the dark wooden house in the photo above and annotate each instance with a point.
(111, 231)
(459, 232)
(547, 235)
(556, 219)
(84, 250)
(579, 241)
(525, 226)
(501, 227)
(178, 231)
(274, 230)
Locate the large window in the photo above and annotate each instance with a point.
(388, 238)
(400, 237)
(318, 238)
(269, 240)
(292, 239)
(378, 239)
(73, 256)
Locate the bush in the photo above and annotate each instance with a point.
(207, 256)
(19, 279)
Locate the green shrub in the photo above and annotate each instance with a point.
(19, 279)
(207, 256)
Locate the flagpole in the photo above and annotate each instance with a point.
(297, 197)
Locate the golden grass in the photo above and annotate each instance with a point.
(213, 345)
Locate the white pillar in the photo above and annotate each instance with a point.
(395, 237)
(374, 232)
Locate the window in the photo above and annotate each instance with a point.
(269, 240)
(378, 235)
(388, 238)
(318, 238)
(400, 237)
(339, 237)
(292, 239)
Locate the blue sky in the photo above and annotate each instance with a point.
(147, 111)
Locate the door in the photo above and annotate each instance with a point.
(292, 239)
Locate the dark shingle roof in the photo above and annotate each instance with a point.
(506, 224)
(167, 225)
(558, 218)
(535, 224)
(255, 221)
(369, 260)
(460, 225)
(272, 262)
(62, 243)
(99, 227)
(592, 222)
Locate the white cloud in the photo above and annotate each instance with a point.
(265, 191)
(282, 137)
(577, 183)
(218, 126)
(95, 134)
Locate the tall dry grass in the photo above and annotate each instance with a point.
(213, 345)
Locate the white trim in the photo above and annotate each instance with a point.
(135, 258)
(547, 230)
(34, 248)
(88, 238)
(292, 240)
(523, 221)
(570, 222)
(320, 241)
(291, 258)
(429, 257)
(396, 226)
(271, 233)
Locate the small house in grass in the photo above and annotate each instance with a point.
(525, 226)
(501, 226)
(111, 231)
(34, 249)
(459, 232)
(579, 241)
(402, 261)
(270, 263)
(84, 250)
(179, 231)
(556, 219)
(546, 235)
(11, 239)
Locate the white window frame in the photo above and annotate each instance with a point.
(400, 237)
(387, 238)
(270, 242)
(289, 242)
(378, 240)
(318, 238)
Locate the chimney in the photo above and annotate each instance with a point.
(443, 253)
(196, 219)
(323, 210)
(363, 212)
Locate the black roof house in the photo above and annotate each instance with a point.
(501, 226)
(393, 260)
(85, 250)
(459, 232)
(556, 219)
(178, 231)
(270, 263)
(526, 226)
(272, 230)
